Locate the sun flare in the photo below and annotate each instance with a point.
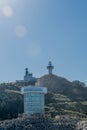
(7, 11)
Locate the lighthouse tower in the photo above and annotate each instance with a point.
(50, 67)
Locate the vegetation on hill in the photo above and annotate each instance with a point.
(64, 97)
(10, 102)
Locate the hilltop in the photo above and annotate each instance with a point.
(55, 84)
(64, 97)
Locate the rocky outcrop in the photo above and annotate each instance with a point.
(82, 125)
(37, 123)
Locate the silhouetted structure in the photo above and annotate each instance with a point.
(28, 77)
(50, 67)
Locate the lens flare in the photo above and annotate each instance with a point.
(21, 31)
(7, 11)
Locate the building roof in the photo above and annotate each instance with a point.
(34, 89)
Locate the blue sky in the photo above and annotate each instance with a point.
(33, 32)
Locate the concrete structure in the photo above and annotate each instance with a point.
(29, 76)
(50, 67)
(34, 99)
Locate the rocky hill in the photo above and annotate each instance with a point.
(55, 84)
(64, 97)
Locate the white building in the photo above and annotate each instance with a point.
(29, 77)
(34, 99)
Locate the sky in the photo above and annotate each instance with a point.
(34, 32)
